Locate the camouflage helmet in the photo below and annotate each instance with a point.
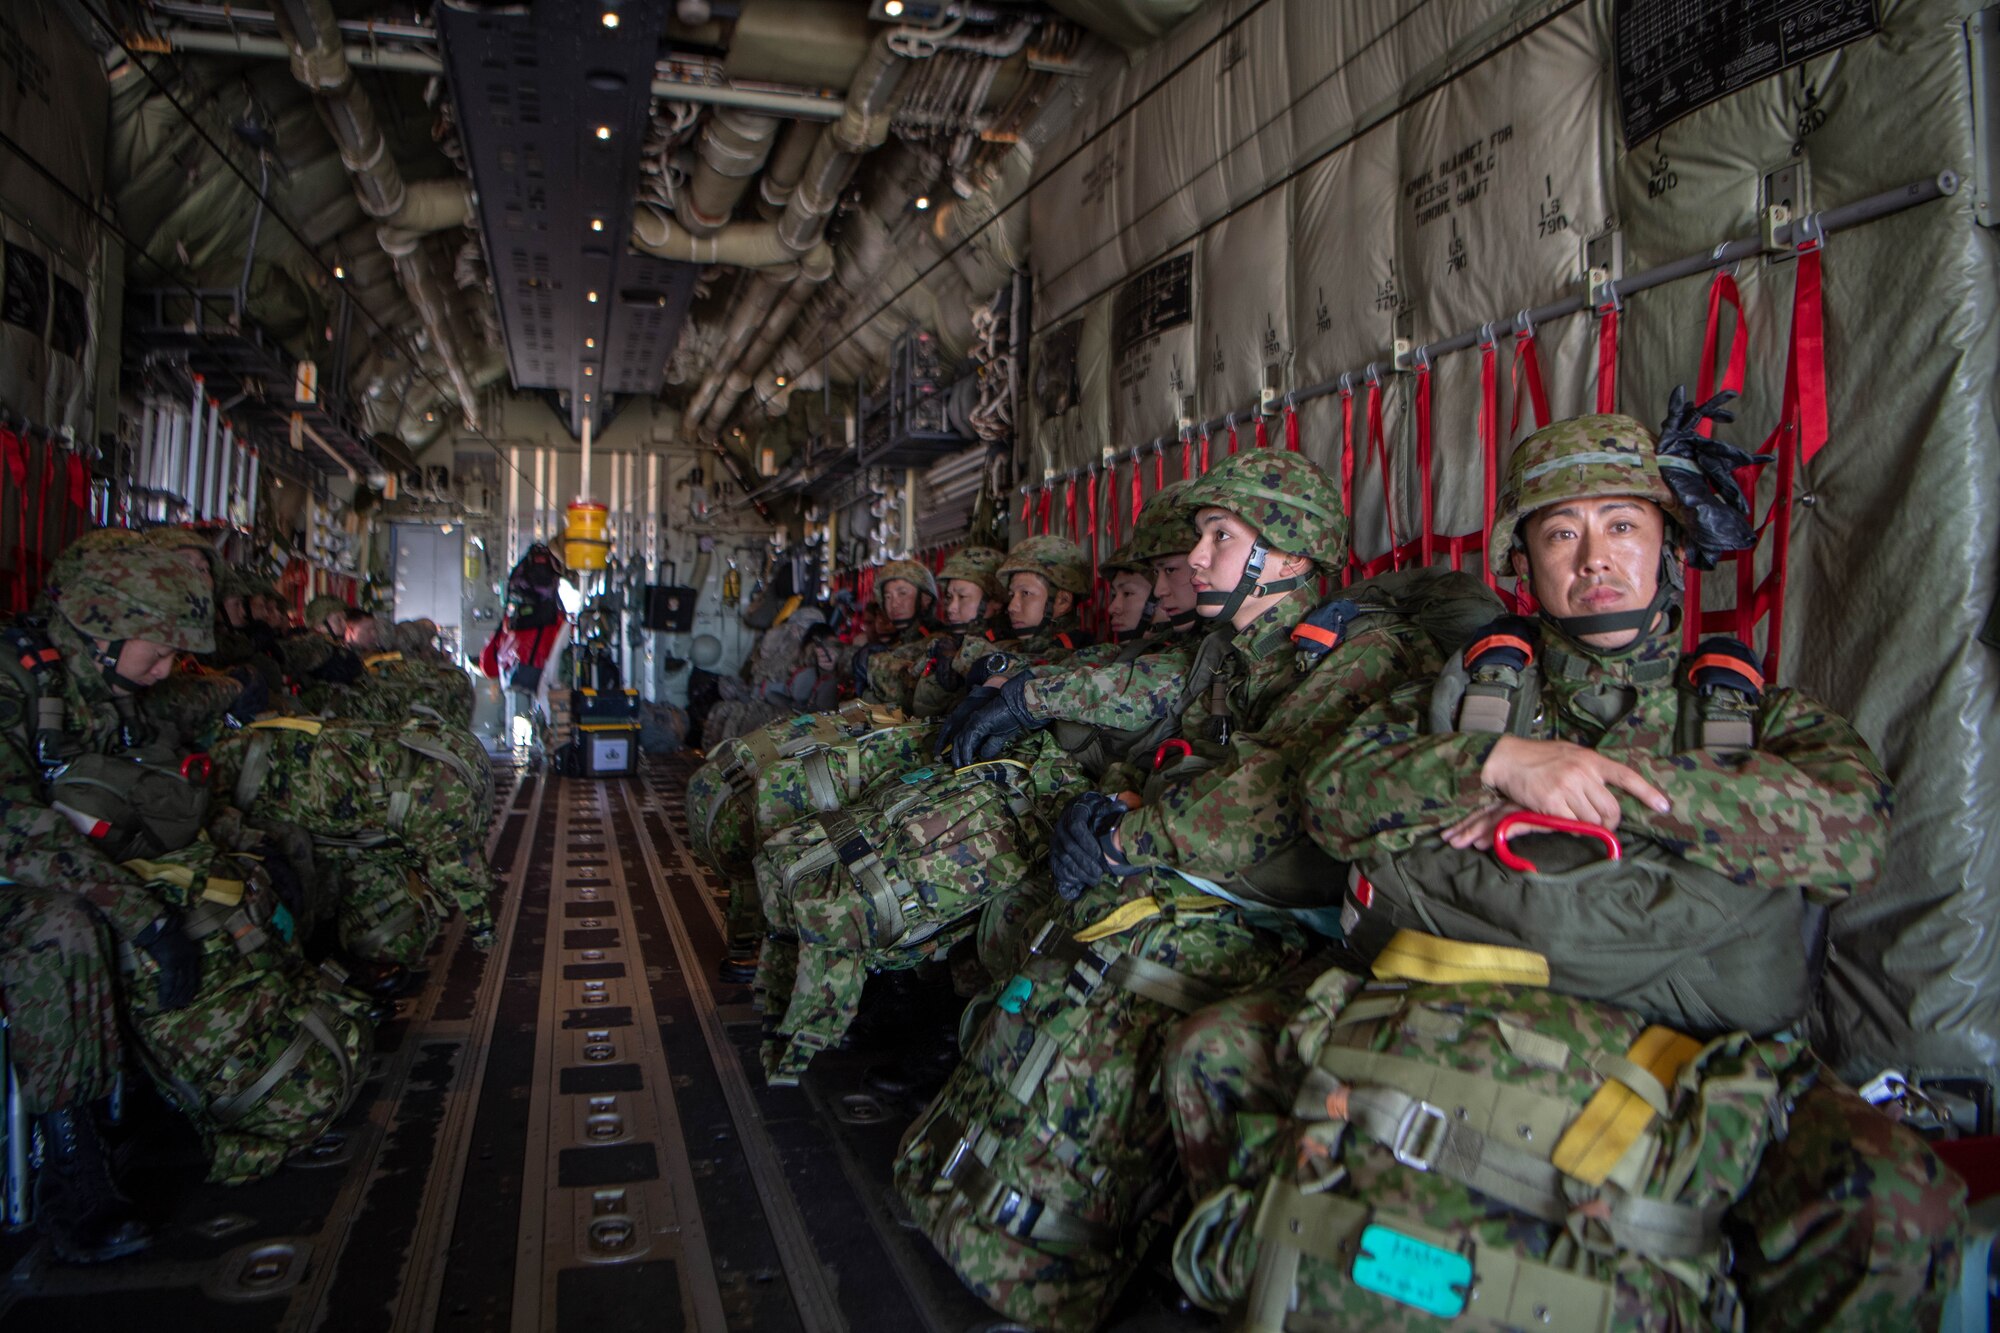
(187, 539)
(1288, 499)
(1057, 559)
(1583, 458)
(976, 564)
(324, 605)
(1163, 529)
(119, 589)
(913, 572)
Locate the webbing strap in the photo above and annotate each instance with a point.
(1426, 1137)
(1721, 291)
(399, 809)
(1426, 535)
(1489, 452)
(387, 928)
(1617, 1115)
(1378, 449)
(1607, 358)
(1092, 966)
(864, 867)
(374, 660)
(443, 754)
(256, 767)
(819, 782)
(997, 1203)
(1412, 955)
(229, 1110)
(312, 726)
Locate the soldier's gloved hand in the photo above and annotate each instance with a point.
(254, 696)
(985, 733)
(942, 666)
(178, 957)
(1083, 851)
(961, 712)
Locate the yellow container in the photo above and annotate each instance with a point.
(586, 543)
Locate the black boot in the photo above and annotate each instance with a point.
(78, 1207)
(372, 980)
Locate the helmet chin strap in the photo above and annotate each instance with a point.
(1186, 620)
(1247, 586)
(1145, 623)
(107, 667)
(1636, 623)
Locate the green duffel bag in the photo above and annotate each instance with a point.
(263, 1060)
(722, 825)
(144, 802)
(387, 913)
(1490, 1158)
(895, 879)
(1646, 930)
(1041, 1171)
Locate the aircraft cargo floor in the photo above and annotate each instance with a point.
(570, 1133)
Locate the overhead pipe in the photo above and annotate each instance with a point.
(787, 164)
(733, 148)
(836, 154)
(319, 61)
(739, 245)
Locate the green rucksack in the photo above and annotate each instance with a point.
(263, 1060)
(1494, 1157)
(1044, 1169)
(895, 879)
(1571, 906)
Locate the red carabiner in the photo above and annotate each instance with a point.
(1175, 746)
(196, 768)
(1523, 819)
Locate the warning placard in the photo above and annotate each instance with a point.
(1676, 56)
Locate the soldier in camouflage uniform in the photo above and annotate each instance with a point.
(906, 592)
(120, 611)
(1047, 578)
(1038, 1171)
(791, 672)
(971, 595)
(200, 694)
(1593, 518)
(328, 615)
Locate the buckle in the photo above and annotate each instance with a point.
(955, 1159)
(1177, 745)
(196, 768)
(1419, 1135)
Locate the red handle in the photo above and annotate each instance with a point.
(196, 768)
(1523, 819)
(1177, 746)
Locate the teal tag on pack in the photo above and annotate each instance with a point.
(281, 921)
(921, 775)
(1017, 993)
(1405, 1269)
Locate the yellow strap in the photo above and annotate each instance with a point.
(1615, 1116)
(374, 660)
(228, 892)
(791, 605)
(164, 871)
(1128, 915)
(1412, 955)
(607, 726)
(311, 726)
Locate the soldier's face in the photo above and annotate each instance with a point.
(1129, 592)
(899, 599)
(232, 610)
(269, 612)
(1027, 600)
(1593, 558)
(1173, 586)
(964, 601)
(143, 661)
(336, 625)
(1220, 554)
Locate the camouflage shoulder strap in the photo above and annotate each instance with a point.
(257, 754)
(33, 666)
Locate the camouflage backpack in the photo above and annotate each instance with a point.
(1045, 1168)
(891, 881)
(263, 1060)
(387, 913)
(1495, 1157)
(1614, 918)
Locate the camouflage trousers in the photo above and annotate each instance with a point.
(60, 994)
(1851, 1223)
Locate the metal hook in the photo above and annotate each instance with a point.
(1524, 327)
(1487, 337)
(1373, 374)
(1721, 265)
(1346, 384)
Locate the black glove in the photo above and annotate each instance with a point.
(178, 957)
(1718, 516)
(252, 698)
(1083, 844)
(941, 667)
(985, 733)
(961, 712)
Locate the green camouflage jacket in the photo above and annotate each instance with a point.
(1809, 806)
(1053, 642)
(1238, 811)
(38, 846)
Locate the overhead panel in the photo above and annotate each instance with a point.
(553, 106)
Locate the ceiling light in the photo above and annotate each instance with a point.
(894, 9)
(610, 18)
(339, 272)
(592, 298)
(604, 131)
(590, 342)
(781, 381)
(430, 416)
(923, 202)
(586, 398)
(445, 528)
(590, 370)
(597, 224)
